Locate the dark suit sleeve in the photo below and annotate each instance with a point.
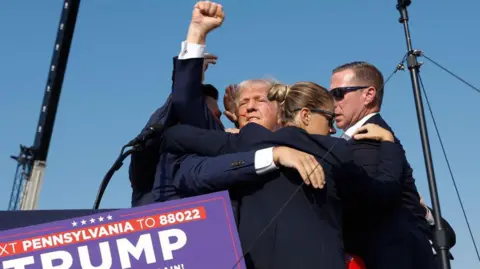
(188, 100)
(186, 139)
(200, 175)
(378, 173)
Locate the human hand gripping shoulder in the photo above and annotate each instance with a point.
(373, 132)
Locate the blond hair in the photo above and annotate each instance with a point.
(268, 82)
(297, 96)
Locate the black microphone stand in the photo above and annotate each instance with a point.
(115, 167)
(440, 235)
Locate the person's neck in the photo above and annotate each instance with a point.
(360, 117)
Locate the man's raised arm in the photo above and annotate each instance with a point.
(188, 99)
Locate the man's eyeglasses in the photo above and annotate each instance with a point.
(329, 115)
(339, 93)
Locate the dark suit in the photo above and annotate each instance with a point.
(390, 236)
(307, 233)
(189, 107)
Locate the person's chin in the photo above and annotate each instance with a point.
(340, 125)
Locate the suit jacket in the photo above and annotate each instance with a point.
(188, 106)
(410, 197)
(383, 227)
(309, 218)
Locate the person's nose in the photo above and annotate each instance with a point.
(251, 106)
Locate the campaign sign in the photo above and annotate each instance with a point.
(191, 233)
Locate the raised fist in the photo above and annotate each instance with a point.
(207, 16)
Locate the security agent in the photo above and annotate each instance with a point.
(143, 164)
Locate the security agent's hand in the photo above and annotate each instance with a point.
(208, 59)
(229, 103)
(206, 16)
(373, 132)
(422, 202)
(308, 167)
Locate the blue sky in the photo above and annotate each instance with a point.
(120, 69)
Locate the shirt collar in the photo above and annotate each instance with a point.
(350, 131)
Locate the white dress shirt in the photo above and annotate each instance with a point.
(350, 131)
(190, 51)
(264, 157)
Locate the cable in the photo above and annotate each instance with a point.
(449, 167)
(399, 66)
(106, 179)
(451, 73)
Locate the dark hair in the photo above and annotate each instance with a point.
(210, 90)
(299, 95)
(366, 73)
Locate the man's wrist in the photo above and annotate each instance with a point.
(196, 36)
(275, 155)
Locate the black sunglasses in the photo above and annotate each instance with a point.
(339, 93)
(329, 115)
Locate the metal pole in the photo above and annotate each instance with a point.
(50, 103)
(414, 67)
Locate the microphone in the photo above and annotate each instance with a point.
(152, 131)
(137, 143)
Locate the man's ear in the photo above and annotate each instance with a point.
(370, 96)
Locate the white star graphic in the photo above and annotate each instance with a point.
(92, 220)
(109, 217)
(100, 219)
(83, 222)
(74, 224)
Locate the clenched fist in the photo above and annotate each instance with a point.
(207, 16)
